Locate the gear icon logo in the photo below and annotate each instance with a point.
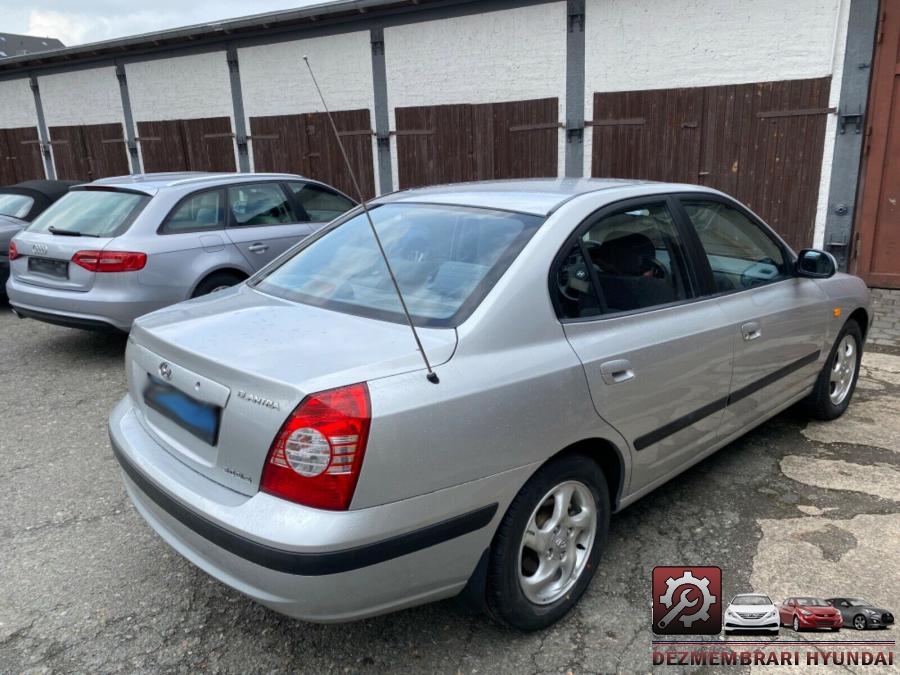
(687, 600)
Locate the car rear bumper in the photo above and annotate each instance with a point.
(98, 308)
(311, 564)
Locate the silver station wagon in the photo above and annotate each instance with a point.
(117, 248)
(592, 340)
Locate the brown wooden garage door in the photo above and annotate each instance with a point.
(20, 155)
(461, 142)
(305, 144)
(204, 144)
(88, 152)
(877, 248)
(762, 143)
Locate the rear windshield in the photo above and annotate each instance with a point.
(751, 600)
(446, 259)
(16, 206)
(91, 213)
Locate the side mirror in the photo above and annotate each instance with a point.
(815, 264)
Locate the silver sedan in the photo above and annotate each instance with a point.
(592, 339)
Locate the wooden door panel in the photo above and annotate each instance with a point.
(162, 147)
(23, 160)
(107, 154)
(69, 155)
(209, 143)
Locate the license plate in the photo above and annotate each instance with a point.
(58, 269)
(196, 417)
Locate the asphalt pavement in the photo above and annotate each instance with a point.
(792, 508)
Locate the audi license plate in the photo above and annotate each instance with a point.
(58, 269)
(196, 417)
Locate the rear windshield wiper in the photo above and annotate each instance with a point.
(69, 233)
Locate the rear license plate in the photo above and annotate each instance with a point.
(196, 417)
(58, 269)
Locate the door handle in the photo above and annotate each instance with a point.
(258, 247)
(751, 330)
(616, 372)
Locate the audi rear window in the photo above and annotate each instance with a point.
(91, 213)
(445, 258)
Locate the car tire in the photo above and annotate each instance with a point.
(859, 622)
(829, 399)
(534, 520)
(796, 625)
(216, 281)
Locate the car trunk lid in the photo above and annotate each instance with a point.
(45, 259)
(238, 362)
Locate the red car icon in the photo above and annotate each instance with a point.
(807, 613)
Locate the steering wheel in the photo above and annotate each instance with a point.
(658, 270)
(571, 268)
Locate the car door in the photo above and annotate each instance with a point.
(786, 611)
(777, 319)
(262, 221)
(318, 203)
(657, 355)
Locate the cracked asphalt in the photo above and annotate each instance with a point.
(792, 508)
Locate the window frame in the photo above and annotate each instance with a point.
(703, 267)
(288, 198)
(163, 228)
(688, 238)
(298, 205)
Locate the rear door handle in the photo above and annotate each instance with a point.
(616, 372)
(751, 330)
(258, 247)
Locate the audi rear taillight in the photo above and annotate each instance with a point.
(316, 458)
(110, 261)
(13, 251)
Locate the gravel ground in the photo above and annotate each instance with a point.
(86, 585)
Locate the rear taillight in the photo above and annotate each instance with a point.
(316, 458)
(110, 261)
(13, 251)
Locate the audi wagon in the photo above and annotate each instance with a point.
(591, 339)
(120, 247)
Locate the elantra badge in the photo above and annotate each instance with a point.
(258, 400)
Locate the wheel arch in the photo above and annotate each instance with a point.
(608, 457)
(225, 268)
(861, 316)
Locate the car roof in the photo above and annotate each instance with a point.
(152, 183)
(536, 196)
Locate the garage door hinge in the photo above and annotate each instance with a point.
(857, 117)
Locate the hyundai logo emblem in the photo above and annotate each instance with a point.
(39, 249)
(165, 371)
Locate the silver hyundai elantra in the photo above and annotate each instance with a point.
(591, 339)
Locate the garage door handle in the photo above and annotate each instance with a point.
(616, 372)
(258, 247)
(751, 330)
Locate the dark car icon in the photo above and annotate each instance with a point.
(860, 614)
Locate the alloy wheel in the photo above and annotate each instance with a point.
(859, 623)
(796, 624)
(557, 542)
(842, 370)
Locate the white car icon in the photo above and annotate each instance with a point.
(751, 611)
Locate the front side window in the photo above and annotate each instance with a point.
(260, 204)
(16, 206)
(630, 260)
(203, 211)
(740, 253)
(91, 213)
(445, 259)
(321, 205)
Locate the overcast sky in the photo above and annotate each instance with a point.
(79, 21)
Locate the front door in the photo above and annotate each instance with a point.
(658, 356)
(776, 320)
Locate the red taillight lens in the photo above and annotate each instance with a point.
(316, 458)
(13, 251)
(110, 261)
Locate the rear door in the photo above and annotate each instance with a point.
(263, 222)
(657, 355)
(777, 321)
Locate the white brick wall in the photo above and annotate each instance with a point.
(275, 81)
(98, 100)
(507, 55)
(16, 104)
(695, 43)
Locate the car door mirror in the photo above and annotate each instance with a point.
(815, 264)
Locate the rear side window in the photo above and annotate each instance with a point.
(260, 204)
(203, 211)
(92, 213)
(445, 258)
(16, 206)
(320, 204)
(740, 253)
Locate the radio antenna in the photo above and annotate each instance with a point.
(431, 376)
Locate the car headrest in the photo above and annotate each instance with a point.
(627, 253)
